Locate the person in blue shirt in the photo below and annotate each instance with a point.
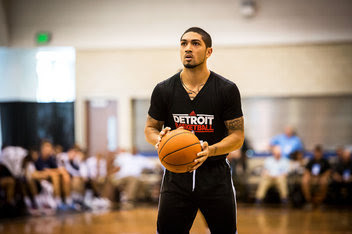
(289, 142)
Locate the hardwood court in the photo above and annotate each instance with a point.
(142, 220)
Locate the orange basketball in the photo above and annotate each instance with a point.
(178, 149)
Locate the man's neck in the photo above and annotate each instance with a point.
(194, 77)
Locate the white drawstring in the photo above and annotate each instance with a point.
(194, 180)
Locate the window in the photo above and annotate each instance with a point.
(55, 68)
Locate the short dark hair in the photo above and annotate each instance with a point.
(44, 141)
(75, 147)
(318, 148)
(205, 36)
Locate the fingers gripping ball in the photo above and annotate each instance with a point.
(178, 149)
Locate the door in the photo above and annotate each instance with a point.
(101, 126)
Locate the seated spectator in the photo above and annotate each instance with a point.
(294, 178)
(7, 182)
(95, 174)
(317, 173)
(58, 149)
(127, 178)
(22, 167)
(339, 152)
(336, 160)
(30, 186)
(47, 169)
(342, 178)
(72, 161)
(10, 170)
(275, 172)
(297, 163)
(289, 142)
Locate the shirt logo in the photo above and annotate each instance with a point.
(194, 122)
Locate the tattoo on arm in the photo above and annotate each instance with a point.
(234, 124)
(215, 149)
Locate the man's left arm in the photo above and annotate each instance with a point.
(233, 141)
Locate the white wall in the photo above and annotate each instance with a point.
(37, 74)
(159, 23)
(260, 71)
(18, 78)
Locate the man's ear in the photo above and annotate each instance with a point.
(209, 52)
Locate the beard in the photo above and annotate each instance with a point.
(191, 66)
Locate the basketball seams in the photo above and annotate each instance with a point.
(171, 164)
(179, 150)
(182, 149)
(171, 138)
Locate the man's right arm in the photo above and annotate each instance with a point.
(152, 130)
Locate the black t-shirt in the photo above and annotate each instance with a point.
(344, 168)
(318, 167)
(41, 164)
(219, 100)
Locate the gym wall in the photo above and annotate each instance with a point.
(289, 48)
(267, 71)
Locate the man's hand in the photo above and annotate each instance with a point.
(161, 135)
(201, 156)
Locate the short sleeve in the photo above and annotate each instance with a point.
(52, 162)
(326, 165)
(157, 109)
(232, 103)
(299, 144)
(83, 170)
(275, 140)
(38, 164)
(309, 165)
(29, 170)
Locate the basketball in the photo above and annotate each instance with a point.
(178, 149)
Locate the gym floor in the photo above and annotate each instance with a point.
(251, 219)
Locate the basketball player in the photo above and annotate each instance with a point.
(208, 104)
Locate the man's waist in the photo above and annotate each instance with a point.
(215, 159)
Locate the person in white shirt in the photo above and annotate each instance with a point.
(71, 161)
(127, 178)
(94, 172)
(11, 158)
(274, 174)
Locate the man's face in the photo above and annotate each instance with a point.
(346, 155)
(46, 150)
(72, 154)
(318, 154)
(339, 152)
(289, 131)
(193, 50)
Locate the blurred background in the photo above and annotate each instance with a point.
(78, 74)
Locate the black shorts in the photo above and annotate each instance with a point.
(209, 189)
(4, 172)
